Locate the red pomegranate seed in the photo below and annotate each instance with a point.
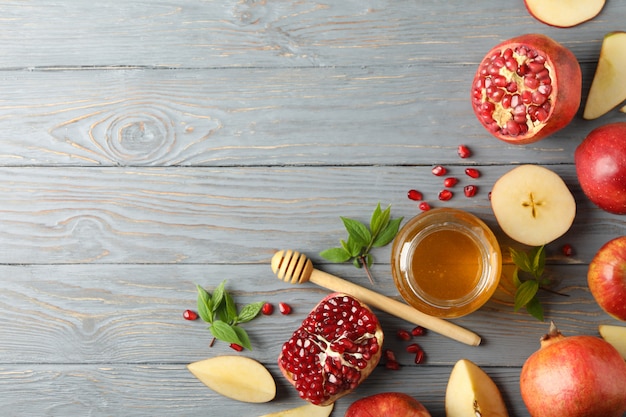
(470, 190)
(284, 308)
(190, 315)
(413, 348)
(414, 195)
(472, 172)
(464, 151)
(424, 206)
(419, 357)
(418, 331)
(236, 347)
(389, 355)
(445, 195)
(567, 249)
(393, 365)
(450, 182)
(267, 309)
(404, 335)
(439, 171)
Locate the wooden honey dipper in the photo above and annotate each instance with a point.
(295, 268)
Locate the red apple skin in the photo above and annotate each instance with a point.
(601, 167)
(387, 404)
(607, 277)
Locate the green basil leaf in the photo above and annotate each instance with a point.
(244, 340)
(525, 293)
(357, 231)
(224, 332)
(379, 220)
(249, 311)
(539, 260)
(218, 295)
(228, 310)
(357, 263)
(516, 281)
(205, 305)
(336, 255)
(535, 309)
(369, 260)
(388, 233)
(521, 260)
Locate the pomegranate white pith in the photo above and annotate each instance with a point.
(335, 348)
(526, 88)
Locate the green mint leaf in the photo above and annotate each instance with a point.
(205, 305)
(379, 220)
(357, 263)
(525, 292)
(521, 260)
(224, 332)
(218, 295)
(357, 231)
(249, 311)
(336, 255)
(369, 260)
(387, 235)
(516, 281)
(535, 309)
(538, 256)
(228, 310)
(244, 340)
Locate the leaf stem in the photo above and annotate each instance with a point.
(363, 261)
(553, 291)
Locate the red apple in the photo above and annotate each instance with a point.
(601, 167)
(387, 404)
(607, 277)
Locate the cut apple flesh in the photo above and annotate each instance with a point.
(533, 205)
(471, 392)
(564, 13)
(616, 336)
(236, 377)
(608, 88)
(308, 410)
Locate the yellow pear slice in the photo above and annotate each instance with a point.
(308, 410)
(471, 392)
(615, 335)
(608, 88)
(236, 377)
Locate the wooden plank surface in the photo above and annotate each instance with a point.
(146, 147)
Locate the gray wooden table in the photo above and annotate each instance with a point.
(146, 147)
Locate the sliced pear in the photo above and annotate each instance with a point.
(564, 13)
(608, 88)
(471, 392)
(533, 205)
(623, 109)
(615, 335)
(236, 377)
(308, 410)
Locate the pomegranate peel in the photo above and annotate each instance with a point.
(527, 88)
(335, 348)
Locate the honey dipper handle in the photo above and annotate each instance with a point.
(395, 308)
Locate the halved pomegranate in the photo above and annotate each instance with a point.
(335, 348)
(527, 88)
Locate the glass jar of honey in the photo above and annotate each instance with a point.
(446, 262)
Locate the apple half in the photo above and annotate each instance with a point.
(308, 410)
(608, 88)
(471, 392)
(236, 377)
(533, 205)
(564, 13)
(616, 336)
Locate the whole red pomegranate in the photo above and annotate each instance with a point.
(576, 376)
(335, 348)
(527, 88)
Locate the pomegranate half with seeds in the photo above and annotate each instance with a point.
(527, 88)
(335, 348)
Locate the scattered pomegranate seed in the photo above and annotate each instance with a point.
(470, 190)
(389, 355)
(450, 182)
(267, 309)
(284, 308)
(489, 196)
(445, 195)
(404, 335)
(424, 206)
(472, 172)
(236, 347)
(393, 365)
(190, 315)
(414, 195)
(464, 151)
(413, 348)
(418, 331)
(419, 357)
(567, 249)
(439, 171)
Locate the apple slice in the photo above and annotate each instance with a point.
(533, 205)
(564, 13)
(471, 392)
(608, 88)
(308, 410)
(615, 335)
(236, 377)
